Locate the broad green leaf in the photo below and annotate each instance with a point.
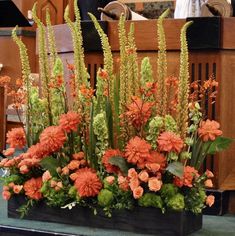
(119, 162)
(220, 144)
(51, 164)
(176, 168)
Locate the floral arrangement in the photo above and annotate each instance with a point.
(137, 139)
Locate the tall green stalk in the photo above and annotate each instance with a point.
(183, 94)
(26, 71)
(162, 66)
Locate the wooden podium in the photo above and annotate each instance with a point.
(212, 51)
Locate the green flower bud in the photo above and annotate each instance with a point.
(73, 191)
(44, 188)
(58, 69)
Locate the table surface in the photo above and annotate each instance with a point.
(212, 226)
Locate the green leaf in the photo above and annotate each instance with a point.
(92, 142)
(51, 164)
(109, 120)
(220, 144)
(176, 168)
(119, 162)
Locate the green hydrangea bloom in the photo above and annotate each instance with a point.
(176, 202)
(151, 200)
(105, 198)
(168, 191)
(170, 124)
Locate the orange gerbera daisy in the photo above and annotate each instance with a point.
(87, 183)
(37, 151)
(209, 130)
(158, 158)
(138, 112)
(70, 121)
(16, 138)
(106, 157)
(32, 188)
(137, 151)
(53, 138)
(170, 142)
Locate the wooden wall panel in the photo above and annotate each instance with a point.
(2, 118)
(56, 8)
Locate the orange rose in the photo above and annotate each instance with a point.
(73, 165)
(210, 200)
(10, 163)
(138, 192)
(3, 162)
(11, 185)
(78, 156)
(9, 152)
(73, 176)
(132, 173)
(17, 189)
(24, 169)
(5, 188)
(208, 183)
(59, 184)
(134, 183)
(153, 167)
(123, 183)
(110, 179)
(6, 195)
(53, 183)
(209, 174)
(143, 176)
(154, 184)
(46, 176)
(65, 171)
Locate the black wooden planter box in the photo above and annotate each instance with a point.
(140, 220)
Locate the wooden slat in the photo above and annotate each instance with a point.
(146, 34)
